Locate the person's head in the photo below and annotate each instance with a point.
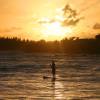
(53, 61)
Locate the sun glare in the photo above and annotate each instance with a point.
(55, 30)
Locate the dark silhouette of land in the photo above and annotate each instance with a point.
(72, 45)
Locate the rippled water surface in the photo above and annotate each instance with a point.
(21, 77)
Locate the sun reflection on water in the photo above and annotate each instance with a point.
(57, 90)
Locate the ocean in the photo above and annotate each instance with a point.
(21, 76)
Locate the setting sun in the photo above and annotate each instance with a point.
(55, 30)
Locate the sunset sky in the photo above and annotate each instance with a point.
(42, 19)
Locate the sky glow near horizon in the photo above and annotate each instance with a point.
(20, 18)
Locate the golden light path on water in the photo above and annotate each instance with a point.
(57, 91)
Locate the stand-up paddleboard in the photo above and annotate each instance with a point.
(48, 77)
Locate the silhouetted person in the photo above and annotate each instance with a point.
(53, 69)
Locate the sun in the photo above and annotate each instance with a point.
(55, 31)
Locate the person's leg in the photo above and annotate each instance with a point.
(54, 73)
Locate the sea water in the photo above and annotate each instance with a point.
(21, 76)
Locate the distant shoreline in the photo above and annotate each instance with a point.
(69, 46)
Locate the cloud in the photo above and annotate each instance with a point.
(69, 15)
(69, 11)
(46, 20)
(96, 26)
(71, 22)
(7, 30)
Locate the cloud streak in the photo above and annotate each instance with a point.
(7, 30)
(96, 26)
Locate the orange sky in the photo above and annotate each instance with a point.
(20, 18)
